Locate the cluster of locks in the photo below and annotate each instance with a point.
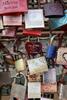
(31, 65)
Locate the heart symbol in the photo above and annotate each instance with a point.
(65, 56)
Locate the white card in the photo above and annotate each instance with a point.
(34, 19)
(34, 90)
(12, 20)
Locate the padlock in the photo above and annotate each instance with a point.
(32, 93)
(18, 90)
(62, 56)
(63, 86)
(50, 76)
(33, 48)
(51, 50)
(20, 63)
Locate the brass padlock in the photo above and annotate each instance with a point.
(20, 63)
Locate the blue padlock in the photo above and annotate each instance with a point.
(51, 50)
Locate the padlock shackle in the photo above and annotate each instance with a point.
(52, 39)
(28, 38)
(20, 53)
(16, 77)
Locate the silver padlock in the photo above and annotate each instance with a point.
(18, 91)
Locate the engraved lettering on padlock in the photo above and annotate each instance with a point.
(10, 4)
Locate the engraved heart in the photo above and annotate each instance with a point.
(65, 56)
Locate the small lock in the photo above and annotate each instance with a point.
(18, 90)
(20, 63)
(51, 51)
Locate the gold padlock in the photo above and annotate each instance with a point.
(20, 63)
